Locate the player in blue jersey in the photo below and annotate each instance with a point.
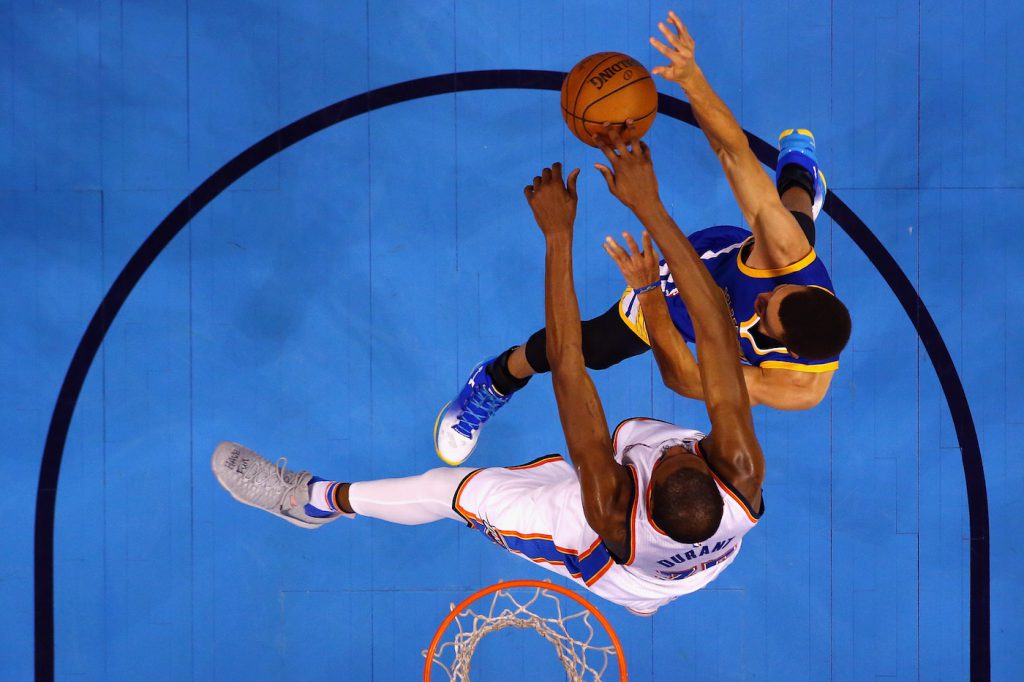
(790, 325)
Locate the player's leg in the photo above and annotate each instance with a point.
(410, 501)
(309, 502)
(800, 182)
(607, 340)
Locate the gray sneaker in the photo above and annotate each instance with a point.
(258, 482)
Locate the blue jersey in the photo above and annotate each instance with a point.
(722, 249)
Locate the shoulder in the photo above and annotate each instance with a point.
(751, 505)
(734, 457)
(780, 239)
(761, 262)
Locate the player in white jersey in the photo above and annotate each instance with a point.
(656, 513)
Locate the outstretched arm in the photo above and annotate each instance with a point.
(676, 363)
(605, 484)
(732, 445)
(778, 239)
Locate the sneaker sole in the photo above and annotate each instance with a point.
(297, 522)
(800, 131)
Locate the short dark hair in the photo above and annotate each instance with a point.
(687, 506)
(816, 324)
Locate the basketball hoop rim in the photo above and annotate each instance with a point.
(539, 584)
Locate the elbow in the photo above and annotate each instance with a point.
(807, 401)
(566, 364)
(682, 386)
(729, 148)
(612, 531)
(803, 401)
(564, 356)
(792, 400)
(599, 525)
(725, 156)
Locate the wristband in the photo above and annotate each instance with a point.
(650, 287)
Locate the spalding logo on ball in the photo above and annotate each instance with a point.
(608, 86)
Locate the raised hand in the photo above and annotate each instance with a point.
(552, 201)
(631, 177)
(640, 268)
(679, 51)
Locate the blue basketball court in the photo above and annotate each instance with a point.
(298, 225)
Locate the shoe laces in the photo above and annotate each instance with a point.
(480, 405)
(271, 482)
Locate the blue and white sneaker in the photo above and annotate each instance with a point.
(457, 428)
(797, 146)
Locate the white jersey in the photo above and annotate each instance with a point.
(639, 445)
(536, 511)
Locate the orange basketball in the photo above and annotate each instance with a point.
(608, 86)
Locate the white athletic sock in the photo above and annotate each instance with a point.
(409, 501)
(321, 495)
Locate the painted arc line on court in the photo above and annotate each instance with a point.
(501, 79)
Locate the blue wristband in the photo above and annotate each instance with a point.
(650, 287)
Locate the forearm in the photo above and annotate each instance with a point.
(719, 125)
(678, 367)
(579, 406)
(712, 320)
(561, 309)
(699, 292)
(754, 191)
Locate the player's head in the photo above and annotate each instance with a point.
(812, 323)
(685, 502)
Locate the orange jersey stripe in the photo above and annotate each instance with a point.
(590, 550)
(600, 574)
(632, 514)
(547, 459)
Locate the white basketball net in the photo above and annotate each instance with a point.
(572, 651)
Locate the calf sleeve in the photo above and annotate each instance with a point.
(412, 500)
(607, 341)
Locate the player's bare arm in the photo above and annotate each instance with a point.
(731, 446)
(606, 485)
(678, 368)
(778, 239)
(786, 389)
(782, 389)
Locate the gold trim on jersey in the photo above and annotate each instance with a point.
(639, 326)
(744, 330)
(797, 367)
(773, 272)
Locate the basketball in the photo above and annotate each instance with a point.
(608, 86)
